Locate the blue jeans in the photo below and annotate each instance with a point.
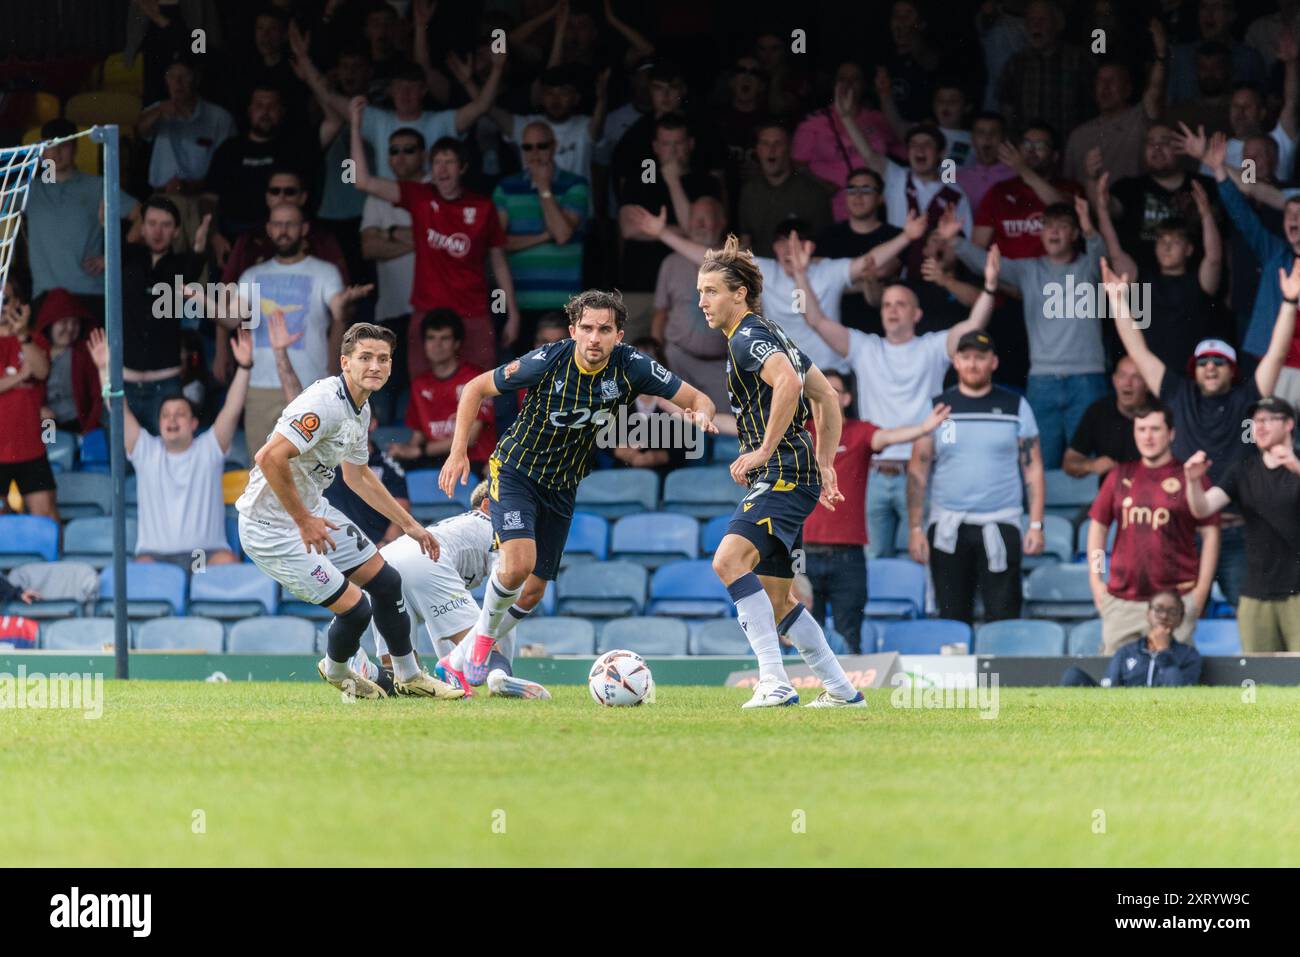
(145, 400)
(886, 508)
(838, 574)
(1232, 562)
(1059, 402)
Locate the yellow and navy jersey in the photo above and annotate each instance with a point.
(565, 408)
(751, 343)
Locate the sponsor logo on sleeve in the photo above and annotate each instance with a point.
(659, 372)
(511, 369)
(760, 350)
(306, 425)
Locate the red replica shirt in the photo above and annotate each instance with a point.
(452, 239)
(1015, 213)
(847, 525)
(1155, 545)
(433, 410)
(20, 409)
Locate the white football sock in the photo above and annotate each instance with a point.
(405, 667)
(497, 600)
(809, 638)
(338, 670)
(754, 610)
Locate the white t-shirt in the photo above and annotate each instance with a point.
(302, 290)
(394, 276)
(828, 278)
(896, 196)
(181, 507)
(897, 381)
(326, 429)
(378, 124)
(1285, 154)
(464, 544)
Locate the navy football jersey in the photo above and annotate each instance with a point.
(552, 438)
(751, 342)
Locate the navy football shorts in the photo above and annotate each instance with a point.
(771, 517)
(521, 508)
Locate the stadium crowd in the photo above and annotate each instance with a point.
(1070, 223)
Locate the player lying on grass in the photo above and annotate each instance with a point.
(283, 518)
(438, 594)
(574, 386)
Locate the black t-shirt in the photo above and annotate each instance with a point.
(841, 242)
(1105, 430)
(1145, 203)
(641, 258)
(1269, 500)
(151, 343)
(1179, 317)
(1217, 424)
(240, 169)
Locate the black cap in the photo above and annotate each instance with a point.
(1271, 403)
(976, 340)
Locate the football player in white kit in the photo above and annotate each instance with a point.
(284, 518)
(438, 594)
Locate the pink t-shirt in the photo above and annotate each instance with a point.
(822, 143)
(976, 180)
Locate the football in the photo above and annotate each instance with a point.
(620, 679)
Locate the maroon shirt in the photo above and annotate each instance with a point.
(847, 525)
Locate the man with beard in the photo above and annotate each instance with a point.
(779, 192)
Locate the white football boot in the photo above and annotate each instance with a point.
(771, 693)
(828, 700)
(508, 686)
(354, 685)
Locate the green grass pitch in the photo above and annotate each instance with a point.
(288, 774)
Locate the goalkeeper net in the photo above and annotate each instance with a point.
(18, 166)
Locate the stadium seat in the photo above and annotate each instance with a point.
(702, 491)
(131, 495)
(655, 538)
(62, 452)
(1085, 639)
(1217, 636)
(688, 589)
(1058, 542)
(232, 536)
(384, 435)
(233, 483)
(79, 634)
(1067, 495)
(1059, 591)
(645, 636)
(726, 449)
(720, 636)
(181, 634)
(604, 590)
(94, 448)
(154, 589)
(104, 107)
(557, 636)
(712, 533)
(1081, 540)
(291, 606)
(272, 636)
(428, 503)
(895, 588)
(868, 637)
(27, 538)
(925, 637)
(90, 540)
(67, 589)
(1020, 637)
(117, 76)
(588, 538)
(233, 592)
(84, 494)
(613, 493)
(237, 454)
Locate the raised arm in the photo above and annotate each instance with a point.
(638, 46)
(227, 421)
(386, 189)
(281, 340)
(883, 438)
(885, 94)
(979, 316)
(1153, 98)
(846, 106)
(1200, 501)
(1099, 192)
(636, 222)
(1287, 53)
(1044, 190)
(97, 343)
(437, 82)
(1135, 344)
(891, 250)
(834, 334)
(1270, 366)
(300, 46)
(468, 114)
(1212, 262)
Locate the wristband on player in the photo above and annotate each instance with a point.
(242, 366)
(991, 292)
(1292, 301)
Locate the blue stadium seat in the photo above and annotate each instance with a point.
(645, 636)
(83, 494)
(603, 590)
(1020, 637)
(1081, 540)
(94, 449)
(895, 588)
(385, 434)
(1217, 636)
(90, 540)
(181, 634)
(27, 538)
(1067, 496)
(712, 533)
(62, 452)
(1085, 639)
(428, 503)
(233, 592)
(275, 635)
(289, 605)
(720, 636)
(588, 538)
(1059, 591)
(689, 589)
(237, 454)
(558, 636)
(153, 589)
(925, 637)
(655, 538)
(232, 536)
(78, 634)
(701, 491)
(1058, 542)
(726, 449)
(613, 493)
(131, 495)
